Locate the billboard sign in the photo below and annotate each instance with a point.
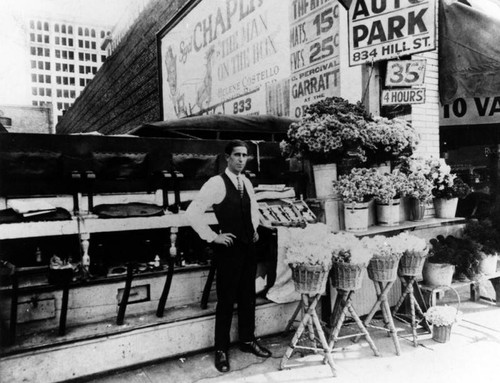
(218, 56)
(386, 29)
(471, 111)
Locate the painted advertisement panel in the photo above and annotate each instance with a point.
(221, 56)
(314, 52)
(471, 111)
(385, 29)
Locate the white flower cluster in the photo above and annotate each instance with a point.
(381, 247)
(349, 249)
(442, 315)
(412, 244)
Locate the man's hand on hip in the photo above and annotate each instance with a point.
(255, 236)
(225, 239)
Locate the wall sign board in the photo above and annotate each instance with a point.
(405, 73)
(218, 56)
(471, 111)
(386, 29)
(403, 96)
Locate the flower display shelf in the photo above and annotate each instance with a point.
(310, 325)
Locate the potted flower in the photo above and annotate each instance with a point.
(440, 265)
(309, 255)
(418, 187)
(389, 189)
(415, 251)
(447, 188)
(349, 260)
(487, 237)
(390, 140)
(386, 252)
(442, 319)
(330, 131)
(356, 190)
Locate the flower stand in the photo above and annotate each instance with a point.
(311, 324)
(383, 273)
(349, 281)
(310, 282)
(408, 282)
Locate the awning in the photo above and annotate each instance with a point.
(469, 49)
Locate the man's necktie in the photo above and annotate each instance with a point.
(240, 186)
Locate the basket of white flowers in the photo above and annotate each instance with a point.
(309, 255)
(386, 252)
(414, 255)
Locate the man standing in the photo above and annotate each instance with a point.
(232, 197)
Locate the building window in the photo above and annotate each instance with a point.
(82, 82)
(72, 94)
(70, 42)
(82, 69)
(33, 51)
(32, 37)
(40, 78)
(66, 105)
(48, 92)
(71, 55)
(57, 40)
(40, 65)
(59, 105)
(64, 54)
(39, 51)
(103, 58)
(80, 56)
(88, 69)
(39, 38)
(47, 52)
(92, 33)
(35, 103)
(56, 27)
(34, 91)
(65, 80)
(59, 93)
(47, 65)
(46, 39)
(94, 58)
(45, 26)
(33, 63)
(87, 44)
(63, 41)
(86, 31)
(87, 56)
(65, 93)
(58, 79)
(39, 25)
(33, 78)
(80, 31)
(47, 79)
(94, 70)
(70, 30)
(94, 45)
(71, 81)
(32, 24)
(41, 91)
(80, 43)
(58, 67)
(58, 53)
(63, 28)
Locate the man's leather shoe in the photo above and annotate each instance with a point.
(255, 349)
(221, 361)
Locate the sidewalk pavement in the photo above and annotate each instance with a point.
(471, 355)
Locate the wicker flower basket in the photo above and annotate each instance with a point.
(411, 264)
(309, 279)
(383, 269)
(346, 276)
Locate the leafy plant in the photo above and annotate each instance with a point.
(484, 234)
(359, 186)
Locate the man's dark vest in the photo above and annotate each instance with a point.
(234, 212)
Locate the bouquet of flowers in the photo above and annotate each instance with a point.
(419, 184)
(383, 247)
(390, 139)
(331, 128)
(412, 244)
(442, 315)
(358, 186)
(389, 187)
(347, 248)
(313, 247)
(446, 185)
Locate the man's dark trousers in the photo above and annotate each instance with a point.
(235, 283)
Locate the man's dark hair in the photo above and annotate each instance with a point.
(234, 144)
